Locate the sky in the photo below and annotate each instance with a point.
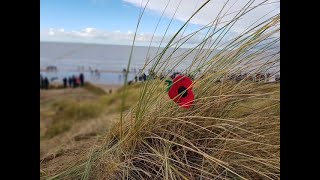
(115, 21)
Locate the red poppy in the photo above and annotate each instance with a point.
(181, 91)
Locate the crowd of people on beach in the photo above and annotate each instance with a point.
(76, 81)
(44, 82)
(71, 82)
(256, 77)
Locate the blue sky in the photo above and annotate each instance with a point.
(110, 15)
(114, 21)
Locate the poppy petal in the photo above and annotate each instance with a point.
(187, 101)
(186, 81)
(174, 90)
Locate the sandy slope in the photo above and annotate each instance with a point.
(72, 145)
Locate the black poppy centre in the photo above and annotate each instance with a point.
(183, 89)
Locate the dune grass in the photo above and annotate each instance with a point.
(94, 89)
(232, 135)
(231, 132)
(67, 111)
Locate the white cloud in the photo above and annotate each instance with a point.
(51, 32)
(211, 10)
(93, 35)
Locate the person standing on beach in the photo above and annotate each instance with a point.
(81, 77)
(74, 81)
(65, 82)
(91, 70)
(70, 82)
(135, 78)
(97, 73)
(43, 83)
(46, 83)
(41, 80)
(124, 72)
(277, 77)
(144, 76)
(78, 81)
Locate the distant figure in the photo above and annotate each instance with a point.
(78, 81)
(119, 77)
(258, 76)
(46, 83)
(233, 76)
(268, 77)
(97, 73)
(70, 82)
(124, 72)
(135, 78)
(277, 77)
(65, 83)
(81, 77)
(91, 70)
(74, 81)
(238, 78)
(140, 78)
(263, 77)
(41, 80)
(144, 76)
(245, 76)
(152, 74)
(174, 74)
(110, 91)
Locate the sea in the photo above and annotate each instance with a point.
(104, 64)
